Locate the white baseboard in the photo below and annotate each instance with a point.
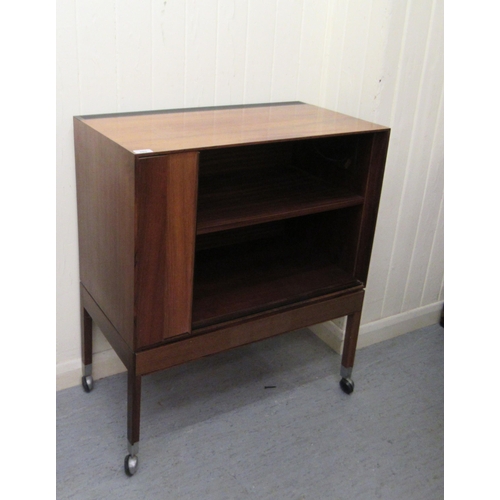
(330, 333)
(107, 363)
(104, 364)
(383, 329)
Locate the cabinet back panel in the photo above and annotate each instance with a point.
(336, 161)
(226, 160)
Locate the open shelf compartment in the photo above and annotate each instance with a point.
(248, 270)
(249, 185)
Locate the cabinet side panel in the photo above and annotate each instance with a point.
(105, 197)
(166, 194)
(373, 189)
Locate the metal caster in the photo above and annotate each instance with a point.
(131, 465)
(347, 385)
(87, 383)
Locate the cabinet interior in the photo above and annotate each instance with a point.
(276, 223)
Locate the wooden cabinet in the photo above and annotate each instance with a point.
(205, 229)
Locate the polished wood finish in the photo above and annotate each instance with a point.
(211, 340)
(166, 188)
(122, 349)
(204, 230)
(265, 185)
(374, 177)
(134, 383)
(222, 127)
(106, 220)
(86, 336)
(351, 338)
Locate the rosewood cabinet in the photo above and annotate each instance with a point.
(201, 230)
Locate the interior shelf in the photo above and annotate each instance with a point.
(250, 185)
(246, 197)
(245, 278)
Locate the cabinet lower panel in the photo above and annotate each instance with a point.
(211, 340)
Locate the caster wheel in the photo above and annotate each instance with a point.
(87, 383)
(347, 385)
(131, 465)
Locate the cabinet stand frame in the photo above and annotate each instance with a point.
(231, 335)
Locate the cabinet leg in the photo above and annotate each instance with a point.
(133, 422)
(86, 339)
(349, 351)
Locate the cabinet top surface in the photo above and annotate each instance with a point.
(180, 130)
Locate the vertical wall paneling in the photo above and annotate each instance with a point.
(286, 50)
(369, 62)
(427, 228)
(353, 56)
(201, 49)
(381, 60)
(390, 90)
(231, 52)
(133, 55)
(336, 33)
(413, 276)
(432, 139)
(168, 34)
(407, 72)
(260, 50)
(97, 61)
(373, 67)
(68, 104)
(392, 55)
(433, 289)
(68, 85)
(421, 107)
(311, 57)
(327, 55)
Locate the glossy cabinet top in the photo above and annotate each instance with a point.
(202, 128)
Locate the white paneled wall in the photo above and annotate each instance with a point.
(381, 60)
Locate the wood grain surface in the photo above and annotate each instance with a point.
(166, 222)
(209, 128)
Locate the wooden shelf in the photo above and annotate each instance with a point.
(243, 279)
(247, 197)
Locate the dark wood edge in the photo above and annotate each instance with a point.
(186, 110)
(378, 157)
(242, 221)
(119, 345)
(255, 143)
(351, 339)
(134, 383)
(237, 333)
(78, 121)
(86, 336)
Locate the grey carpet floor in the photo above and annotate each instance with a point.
(214, 429)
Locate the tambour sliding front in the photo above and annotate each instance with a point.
(205, 229)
